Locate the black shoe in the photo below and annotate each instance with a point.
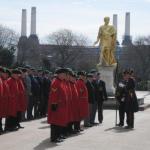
(1, 131)
(120, 125)
(76, 130)
(81, 130)
(20, 127)
(100, 122)
(73, 132)
(12, 129)
(128, 127)
(57, 141)
(132, 127)
(62, 137)
(30, 118)
(87, 125)
(94, 123)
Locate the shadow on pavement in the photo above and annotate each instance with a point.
(45, 145)
(45, 127)
(118, 129)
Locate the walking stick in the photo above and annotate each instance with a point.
(116, 81)
(116, 113)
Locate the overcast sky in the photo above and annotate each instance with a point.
(83, 16)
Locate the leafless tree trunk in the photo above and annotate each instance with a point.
(69, 46)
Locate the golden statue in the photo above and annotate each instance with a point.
(107, 39)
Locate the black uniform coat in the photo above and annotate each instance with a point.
(131, 103)
(91, 92)
(100, 88)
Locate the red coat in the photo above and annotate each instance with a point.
(75, 102)
(1, 94)
(69, 101)
(83, 99)
(22, 99)
(58, 96)
(14, 92)
(5, 99)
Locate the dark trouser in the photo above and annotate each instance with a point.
(70, 127)
(121, 113)
(1, 128)
(37, 105)
(30, 108)
(77, 125)
(100, 112)
(43, 107)
(130, 119)
(24, 117)
(18, 118)
(93, 112)
(87, 120)
(55, 132)
(10, 123)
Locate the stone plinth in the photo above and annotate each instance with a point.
(107, 75)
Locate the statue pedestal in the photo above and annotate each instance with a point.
(107, 75)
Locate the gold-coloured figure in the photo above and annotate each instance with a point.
(107, 41)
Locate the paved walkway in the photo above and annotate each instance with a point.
(35, 136)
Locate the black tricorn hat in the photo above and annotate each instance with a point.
(90, 75)
(8, 72)
(74, 75)
(61, 70)
(5, 70)
(81, 73)
(126, 71)
(16, 71)
(131, 71)
(24, 70)
(98, 73)
(93, 71)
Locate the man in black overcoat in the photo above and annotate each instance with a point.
(101, 96)
(131, 103)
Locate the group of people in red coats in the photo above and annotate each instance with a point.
(24, 96)
(69, 103)
(12, 99)
(66, 97)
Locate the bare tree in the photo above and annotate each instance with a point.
(8, 37)
(137, 56)
(69, 47)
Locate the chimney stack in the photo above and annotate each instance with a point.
(127, 38)
(115, 21)
(24, 23)
(33, 21)
(127, 24)
(115, 24)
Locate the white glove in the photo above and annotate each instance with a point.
(121, 85)
(123, 99)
